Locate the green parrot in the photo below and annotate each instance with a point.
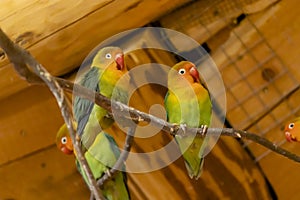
(106, 70)
(188, 102)
(101, 156)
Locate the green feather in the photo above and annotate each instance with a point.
(101, 156)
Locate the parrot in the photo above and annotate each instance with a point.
(100, 156)
(292, 130)
(106, 69)
(192, 108)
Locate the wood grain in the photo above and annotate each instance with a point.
(65, 32)
(29, 121)
(47, 174)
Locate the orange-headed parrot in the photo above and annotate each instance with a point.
(100, 156)
(292, 130)
(188, 102)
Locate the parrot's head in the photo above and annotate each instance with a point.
(109, 58)
(292, 131)
(110, 62)
(183, 70)
(63, 140)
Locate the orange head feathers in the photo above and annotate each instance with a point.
(292, 131)
(63, 140)
(186, 70)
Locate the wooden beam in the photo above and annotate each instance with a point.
(44, 175)
(65, 32)
(29, 121)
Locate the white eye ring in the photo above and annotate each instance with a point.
(291, 125)
(181, 71)
(64, 140)
(108, 56)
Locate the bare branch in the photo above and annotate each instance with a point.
(37, 73)
(257, 139)
(136, 115)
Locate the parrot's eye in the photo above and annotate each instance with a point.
(291, 125)
(64, 140)
(181, 71)
(108, 56)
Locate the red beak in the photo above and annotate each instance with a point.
(289, 137)
(195, 74)
(67, 151)
(120, 61)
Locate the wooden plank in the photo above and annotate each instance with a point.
(226, 165)
(44, 175)
(10, 7)
(286, 180)
(256, 66)
(263, 82)
(10, 82)
(201, 19)
(29, 121)
(51, 175)
(281, 34)
(60, 37)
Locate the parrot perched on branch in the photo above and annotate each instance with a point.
(292, 130)
(106, 70)
(188, 102)
(100, 156)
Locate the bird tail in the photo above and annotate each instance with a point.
(192, 172)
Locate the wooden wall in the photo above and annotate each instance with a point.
(256, 54)
(255, 45)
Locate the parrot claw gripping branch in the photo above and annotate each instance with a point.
(33, 72)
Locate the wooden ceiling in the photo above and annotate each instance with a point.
(61, 33)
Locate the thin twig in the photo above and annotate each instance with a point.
(32, 71)
(260, 140)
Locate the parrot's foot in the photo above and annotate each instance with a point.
(204, 129)
(109, 116)
(108, 173)
(182, 131)
(174, 129)
(178, 129)
(183, 127)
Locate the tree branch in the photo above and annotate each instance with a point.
(28, 68)
(136, 115)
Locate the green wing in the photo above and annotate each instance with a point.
(83, 107)
(101, 156)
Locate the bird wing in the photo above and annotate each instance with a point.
(83, 107)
